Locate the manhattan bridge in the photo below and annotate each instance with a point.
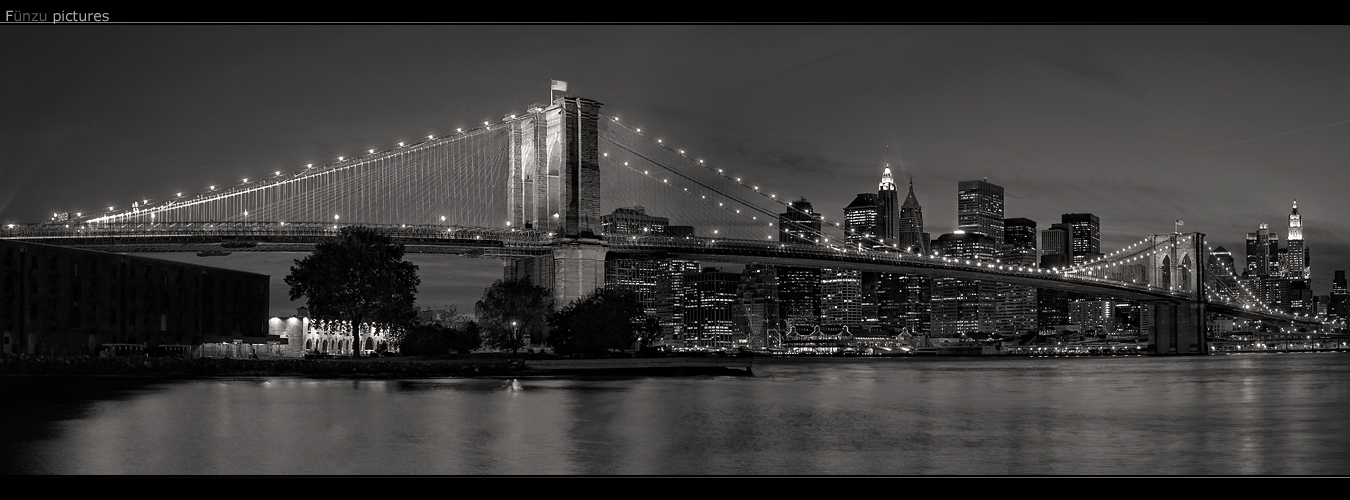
(531, 188)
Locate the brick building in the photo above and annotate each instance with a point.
(60, 301)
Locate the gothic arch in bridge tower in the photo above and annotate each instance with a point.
(1166, 269)
(1184, 274)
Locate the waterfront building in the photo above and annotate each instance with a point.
(1016, 306)
(641, 277)
(1093, 316)
(304, 335)
(905, 302)
(869, 297)
(1016, 309)
(799, 296)
(59, 301)
(841, 297)
(979, 209)
(800, 224)
(757, 309)
(961, 306)
(1052, 308)
(709, 297)
(670, 299)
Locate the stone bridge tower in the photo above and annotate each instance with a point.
(1177, 326)
(554, 187)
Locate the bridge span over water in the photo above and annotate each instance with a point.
(532, 187)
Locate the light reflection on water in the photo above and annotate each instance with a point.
(1242, 414)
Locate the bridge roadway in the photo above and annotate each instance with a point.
(499, 243)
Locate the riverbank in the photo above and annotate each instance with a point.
(395, 367)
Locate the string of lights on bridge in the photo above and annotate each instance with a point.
(1103, 263)
(144, 207)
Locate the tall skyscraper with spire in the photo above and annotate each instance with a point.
(1296, 259)
(911, 224)
(902, 301)
(888, 210)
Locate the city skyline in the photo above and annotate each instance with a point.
(1132, 124)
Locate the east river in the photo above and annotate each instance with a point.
(1208, 415)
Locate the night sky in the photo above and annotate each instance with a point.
(1222, 127)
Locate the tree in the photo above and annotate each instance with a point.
(650, 332)
(357, 278)
(599, 322)
(511, 310)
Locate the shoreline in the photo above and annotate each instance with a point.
(472, 366)
(360, 368)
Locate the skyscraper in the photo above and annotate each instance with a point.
(841, 297)
(640, 276)
(799, 224)
(1224, 258)
(1016, 310)
(964, 306)
(912, 238)
(1019, 233)
(1056, 250)
(905, 301)
(860, 221)
(979, 209)
(1340, 297)
(634, 220)
(1295, 265)
(888, 210)
(708, 299)
(1259, 252)
(1086, 238)
(757, 308)
(799, 297)
(670, 298)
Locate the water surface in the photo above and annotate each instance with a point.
(1236, 414)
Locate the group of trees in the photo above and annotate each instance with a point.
(603, 321)
(360, 277)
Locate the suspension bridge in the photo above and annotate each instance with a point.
(530, 189)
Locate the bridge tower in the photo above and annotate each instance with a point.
(1177, 326)
(554, 187)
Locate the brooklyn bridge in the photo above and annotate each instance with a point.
(530, 189)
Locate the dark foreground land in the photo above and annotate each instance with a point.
(385, 367)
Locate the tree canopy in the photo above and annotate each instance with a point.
(357, 278)
(603, 320)
(513, 310)
(433, 339)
